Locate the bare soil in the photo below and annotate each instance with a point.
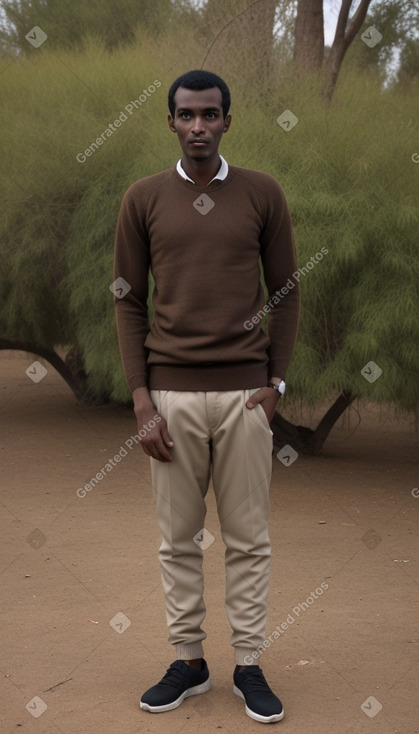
(83, 620)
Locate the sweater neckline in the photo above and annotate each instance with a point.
(212, 186)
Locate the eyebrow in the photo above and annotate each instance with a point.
(205, 109)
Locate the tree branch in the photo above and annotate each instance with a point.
(304, 439)
(331, 416)
(356, 21)
(342, 21)
(76, 383)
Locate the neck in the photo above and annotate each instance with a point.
(202, 171)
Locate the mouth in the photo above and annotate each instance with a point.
(199, 143)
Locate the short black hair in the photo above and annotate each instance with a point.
(199, 79)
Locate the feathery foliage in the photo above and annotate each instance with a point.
(347, 171)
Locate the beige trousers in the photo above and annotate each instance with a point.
(214, 434)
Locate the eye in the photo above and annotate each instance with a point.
(212, 115)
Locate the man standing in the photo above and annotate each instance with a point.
(205, 378)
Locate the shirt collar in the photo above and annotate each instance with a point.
(222, 173)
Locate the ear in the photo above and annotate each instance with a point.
(227, 123)
(171, 123)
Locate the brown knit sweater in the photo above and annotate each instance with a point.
(203, 246)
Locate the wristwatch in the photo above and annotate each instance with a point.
(279, 388)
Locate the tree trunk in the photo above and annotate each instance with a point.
(258, 23)
(76, 381)
(309, 35)
(305, 440)
(344, 35)
(245, 26)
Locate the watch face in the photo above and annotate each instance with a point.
(279, 388)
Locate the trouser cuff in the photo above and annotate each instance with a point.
(246, 656)
(189, 651)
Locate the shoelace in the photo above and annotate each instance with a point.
(254, 681)
(172, 677)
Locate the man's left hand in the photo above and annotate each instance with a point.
(268, 399)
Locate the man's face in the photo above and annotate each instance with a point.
(199, 121)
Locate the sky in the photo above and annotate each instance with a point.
(330, 12)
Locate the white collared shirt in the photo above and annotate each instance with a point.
(222, 173)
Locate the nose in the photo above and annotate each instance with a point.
(198, 126)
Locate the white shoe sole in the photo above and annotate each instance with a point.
(259, 717)
(194, 691)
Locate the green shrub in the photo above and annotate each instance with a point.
(347, 171)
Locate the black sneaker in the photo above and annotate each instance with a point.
(179, 682)
(261, 703)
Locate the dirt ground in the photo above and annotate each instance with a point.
(83, 620)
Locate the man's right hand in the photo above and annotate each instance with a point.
(156, 442)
